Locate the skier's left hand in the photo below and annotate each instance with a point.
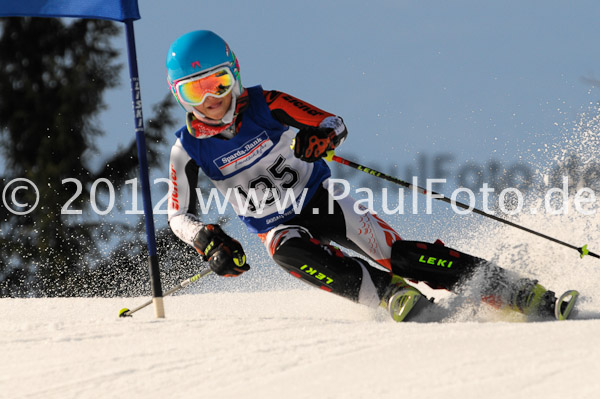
(224, 255)
(312, 143)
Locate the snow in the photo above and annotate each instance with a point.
(262, 336)
(297, 343)
(294, 342)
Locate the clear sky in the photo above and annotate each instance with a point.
(412, 79)
(469, 82)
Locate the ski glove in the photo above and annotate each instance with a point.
(224, 255)
(312, 143)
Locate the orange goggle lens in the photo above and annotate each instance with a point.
(195, 90)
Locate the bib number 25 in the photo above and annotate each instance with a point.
(281, 177)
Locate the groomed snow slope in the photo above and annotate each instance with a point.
(286, 344)
(262, 336)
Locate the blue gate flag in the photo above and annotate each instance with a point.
(118, 10)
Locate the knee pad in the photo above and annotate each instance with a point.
(434, 264)
(325, 266)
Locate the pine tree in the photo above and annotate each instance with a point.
(54, 76)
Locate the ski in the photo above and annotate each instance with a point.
(564, 305)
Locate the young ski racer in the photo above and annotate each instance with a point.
(241, 139)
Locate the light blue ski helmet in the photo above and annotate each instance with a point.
(198, 52)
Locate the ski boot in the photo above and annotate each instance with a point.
(534, 301)
(402, 300)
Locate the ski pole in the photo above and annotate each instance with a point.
(332, 157)
(127, 313)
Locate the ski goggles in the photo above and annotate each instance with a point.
(194, 91)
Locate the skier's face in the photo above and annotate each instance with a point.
(215, 108)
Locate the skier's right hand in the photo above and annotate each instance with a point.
(224, 255)
(312, 143)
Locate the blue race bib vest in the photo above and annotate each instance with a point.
(256, 170)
